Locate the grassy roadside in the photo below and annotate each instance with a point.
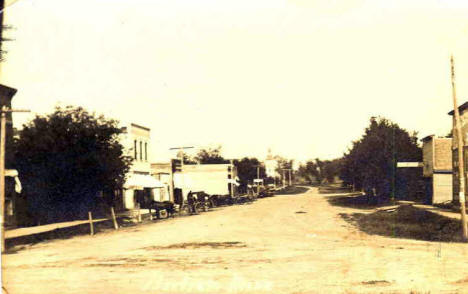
(407, 222)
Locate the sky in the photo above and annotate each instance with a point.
(301, 77)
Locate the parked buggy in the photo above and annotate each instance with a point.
(192, 205)
(162, 206)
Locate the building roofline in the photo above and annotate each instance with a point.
(7, 90)
(138, 126)
(427, 138)
(460, 108)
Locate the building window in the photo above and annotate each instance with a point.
(141, 150)
(135, 149)
(146, 151)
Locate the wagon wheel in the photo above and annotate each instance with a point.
(197, 207)
(184, 210)
(212, 202)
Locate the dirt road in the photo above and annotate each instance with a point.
(284, 244)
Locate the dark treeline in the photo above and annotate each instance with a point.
(370, 164)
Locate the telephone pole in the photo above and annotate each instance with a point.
(4, 111)
(232, 177)
(460, 145)
(182, 154)
(284, 176)
(258, 178)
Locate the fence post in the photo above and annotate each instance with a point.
(116, 226)
(91, 227)
(139, 213)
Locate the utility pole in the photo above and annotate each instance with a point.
(181, 155)
(4, 111)
(284, 178)
(284, 175)
(392, 196)
(460, 145)
(258, 178)
(232, 178)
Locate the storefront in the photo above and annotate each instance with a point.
(141, 189)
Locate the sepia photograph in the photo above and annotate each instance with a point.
(234, 146)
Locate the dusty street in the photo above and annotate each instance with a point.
(284, 244)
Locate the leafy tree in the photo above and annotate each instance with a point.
(371, 163)
(210, 156)
(319, 170)
(187, 158)
(329, 169)
(283, 163)
(66, 159)
(309, 171)
(247, 170)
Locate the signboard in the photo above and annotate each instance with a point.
(258, 180)
(410, 164)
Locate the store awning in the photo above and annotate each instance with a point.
(13, 173)
(139, 182)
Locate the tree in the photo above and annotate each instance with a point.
(283, 163)
(247, 170)
(187, 158)
(67, 159)
(210, 156)
(371, 163)
(329, 169)
(319, 170)
(310, 171)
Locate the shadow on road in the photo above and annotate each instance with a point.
(292, 190)
(409, 223)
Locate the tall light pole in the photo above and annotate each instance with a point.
(4, 111)
(460, 144)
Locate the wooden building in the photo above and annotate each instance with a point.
(463, 109)
(437, 169)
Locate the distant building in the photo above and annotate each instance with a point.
(139, 185)
(463, 109)
(271, 166)
(437, 169)
(213, 179)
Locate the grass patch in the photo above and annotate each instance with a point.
(455, 207)
(292, 190)
(409, 223)
(357, 200)
(333, 189)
